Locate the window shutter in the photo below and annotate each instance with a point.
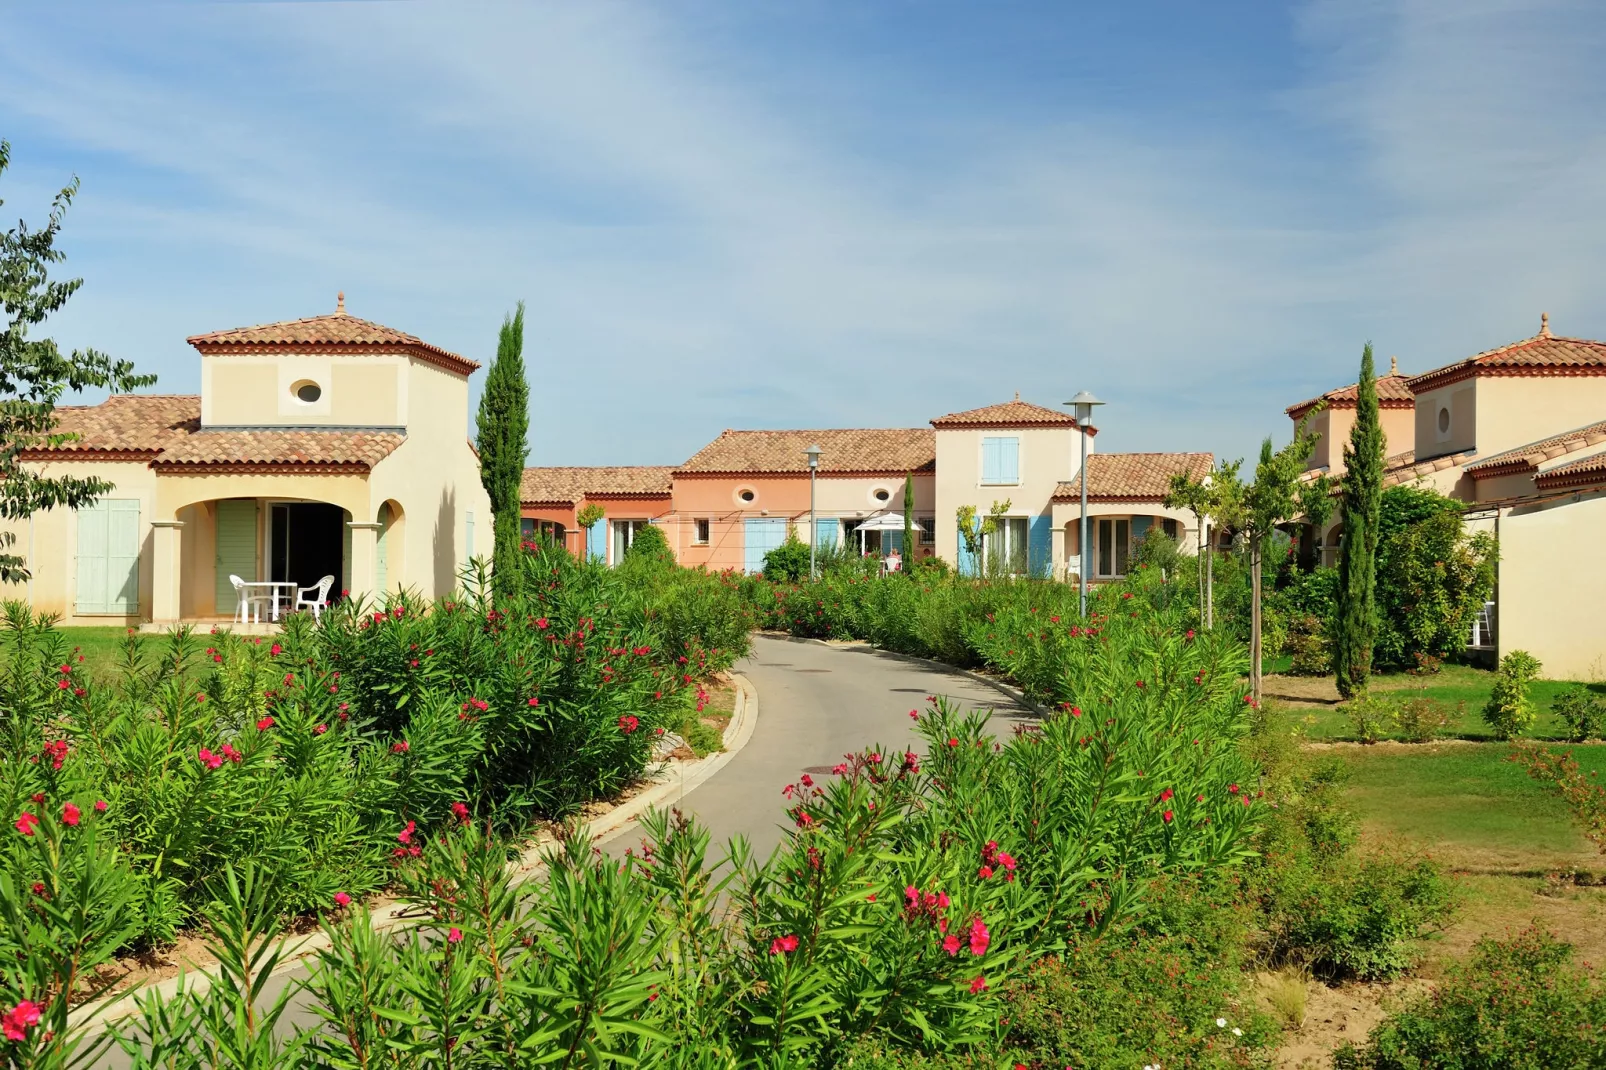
(597, 540)
(1039, 545)
(92, 524)
(236, 552)
(1009, 460)
(967, 560)
(990, 467)
(826, 530)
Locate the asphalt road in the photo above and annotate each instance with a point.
(816, 703)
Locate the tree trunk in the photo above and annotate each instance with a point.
(1254, 618)
(1210, 587)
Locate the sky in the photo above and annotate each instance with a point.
(801, 213)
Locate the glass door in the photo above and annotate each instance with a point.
(1114, 546)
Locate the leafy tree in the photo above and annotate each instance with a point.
(588, 515)
(1355, 628)
(974, 530)
(34, 374)
(650, 545)
(1255, 510)
(1404, 506)
(1432, 579)
(908, 520)
(788, 562)
(503, 422)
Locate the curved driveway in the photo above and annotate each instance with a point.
(815, 704)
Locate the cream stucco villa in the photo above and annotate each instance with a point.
(329, 446)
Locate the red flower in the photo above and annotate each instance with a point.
(979, 938)
(1076, 711)
(264, 724)
(19, 1019)
(914, 715)
(70, 814)
(319, 729)
(985, 872)
(275, 650)
(1232, 789)
(782, 945)
(951, 944)
(541, 623)
(63, 684)
(628, 724)
(1166, 817)
(454, 935)
(342, 900)
(38, 796)
(38, 887)
(208, 759)
(1190, 633)
(460, 812)
(405, 836)
(100, 806)
(231, 754)
(400, 748)
(27, 823)
(840, 768)
(1165, 796)
(981, 982)
(952, 742)
(534, 702)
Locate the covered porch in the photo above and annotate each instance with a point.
(1115, 530)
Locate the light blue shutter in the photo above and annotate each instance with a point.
(597, 540)
(1009, 460)
(236, 551)
(122, 555)
(1039, 546)
(92, 524)
(967, 560)
(760, 537)
(826, 530)
(1140, 528)
(991, 470)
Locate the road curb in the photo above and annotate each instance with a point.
(864, 646)
(669, 785)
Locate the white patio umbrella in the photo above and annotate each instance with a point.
(880, 522)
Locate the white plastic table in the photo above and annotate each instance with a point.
(271, 589)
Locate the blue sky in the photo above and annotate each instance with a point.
(785, 214)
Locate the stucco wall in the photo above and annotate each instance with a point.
(1551, 594)
(716, 498)
(1048, 457)
(1516, 410)
(1462, 401)
(356, 391)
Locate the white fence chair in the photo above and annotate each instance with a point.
(319, 597)
(247, 605)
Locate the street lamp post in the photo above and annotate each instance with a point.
(1082, 408)
(813, 454)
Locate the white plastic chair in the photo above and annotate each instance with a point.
(246, 604)
(320, 596)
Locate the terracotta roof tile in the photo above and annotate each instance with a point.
(1134, 476)
(1543, 354)
(893, 450)
(1527, 458)
(337, 329)
(127, 423)
(1392, 393)
(1586, 471)
(1015, 413)
(1405, 468)
(362, 449)
(573, 484)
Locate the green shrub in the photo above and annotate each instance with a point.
(703, 739)
(1349, 917)
(1432, 578)
(650, 547)
(1510, 712)
(1307, 643)
(788, 562)
(1584, 713)
(1519, 1004)
(1369, 716)
(1157, 550)
(1419, 719)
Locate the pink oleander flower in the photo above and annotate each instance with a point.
(19, 1019)
(1166, 817)
(914, 715)
(454, 935)
(950, 944)
(985, 872)
(264, 724)
(100, 806)
(783, 945)
(70, 814)
(208, 759)
(977, 985)
(27, 823)
(342, 900)
(275, 650)
(840, 768)
(979, 937)
(535, 702)
(460, 812)
(400, 748)
(319, 729)
(406, 835)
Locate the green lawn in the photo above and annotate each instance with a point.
(1461, 689)
(102, 648)
(1469, 800)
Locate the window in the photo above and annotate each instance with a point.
(1113, 545)
(747, 495)
(1005, 547)
(1000, 461)
(699, 531)
(1444, 420)
(624, 533)
(882, 494)
(928, 530)
(306, 391)
(533, 530)
(1169, 526)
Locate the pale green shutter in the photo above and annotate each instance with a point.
(92, 524)
(379, 548)
(236, 548)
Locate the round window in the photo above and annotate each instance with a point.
(883, 495)
(747, 495)
(1444, 421)
(307, 391)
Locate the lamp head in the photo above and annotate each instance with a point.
(1082, 407)
(813, 454)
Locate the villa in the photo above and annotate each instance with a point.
(1519, 434)
(329, 446)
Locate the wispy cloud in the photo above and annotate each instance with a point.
(714, 229)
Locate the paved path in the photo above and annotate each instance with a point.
(815, 704)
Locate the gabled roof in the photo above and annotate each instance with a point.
(1405, 468)
(867, 451)
(1543, 354)
(1015, 413)
(1133, 477)
(353, 451)
(569, 486)
(1529, 457)
(124, 426)
(1392, 393)
(337, 330)
(1575, 475)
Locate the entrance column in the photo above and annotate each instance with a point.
(364, 547)
(166, 567)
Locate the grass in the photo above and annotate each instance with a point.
(102, 647)
(1468, 802)
(1461, 689)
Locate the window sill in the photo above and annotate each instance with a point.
(1016, 483)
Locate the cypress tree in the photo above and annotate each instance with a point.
(1355, 630)
(908, 520)
(502, 422)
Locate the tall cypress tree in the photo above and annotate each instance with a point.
(1355, 630)
(502, 421)
(908, 521)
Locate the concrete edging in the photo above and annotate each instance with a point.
(670, 784)
(864, 645)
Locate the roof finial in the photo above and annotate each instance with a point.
(1017, 395)
(1544, 325)
(1394, 365)
(340, 303)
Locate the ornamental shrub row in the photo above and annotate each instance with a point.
(303, 754)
